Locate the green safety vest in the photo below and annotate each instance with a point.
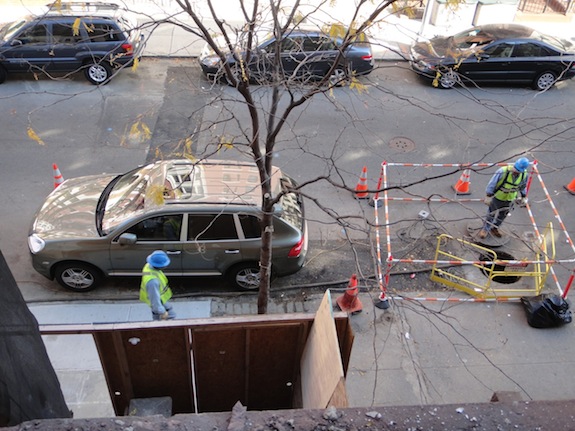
(507, 187)
(147, 274)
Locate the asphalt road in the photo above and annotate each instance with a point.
(395, 118)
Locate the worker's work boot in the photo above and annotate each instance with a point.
(483, 234)
(496, 232)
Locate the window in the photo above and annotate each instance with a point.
(327, 44)
(527, 50)
(250, 226)
(35, 34)
(501, 50)
(64, 34)
(292, 44)
(206, 227)
(160, 228)
(311, 44)
(102, 32)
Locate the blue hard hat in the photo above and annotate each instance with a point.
(521, 164)
(158, 259)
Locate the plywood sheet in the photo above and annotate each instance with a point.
(145, 364)
(321, 365)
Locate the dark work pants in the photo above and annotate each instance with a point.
(496, 213)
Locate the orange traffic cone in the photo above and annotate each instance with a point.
(571, 187)
(361, 188)
(462, 185)
(58, 178)
(349, 302)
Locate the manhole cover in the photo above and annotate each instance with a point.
(402, 144)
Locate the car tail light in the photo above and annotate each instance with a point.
(128, 48)
(367, 57)
(296, 249)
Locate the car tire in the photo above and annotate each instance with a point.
(98, 72)
(544, 81)
(338, 77)
(77, 276)
(244, 276)
(3, 74)
(448, 79)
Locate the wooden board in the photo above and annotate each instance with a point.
(321, 365)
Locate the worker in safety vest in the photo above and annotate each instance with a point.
(507, 185)
(154, 289)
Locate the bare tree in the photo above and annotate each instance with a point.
(241, 63)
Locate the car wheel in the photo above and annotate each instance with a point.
(79, 277)
(245, 276)
(448, 79)
(544, 81)
(3, 74)
(98, 72)
(338, 77)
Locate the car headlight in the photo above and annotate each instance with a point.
(211, 61)
(423, 65)
(35, 243)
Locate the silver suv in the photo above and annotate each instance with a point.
(206, 216)
(96, 38)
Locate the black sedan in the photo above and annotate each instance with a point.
(305, 55)
(507, 53)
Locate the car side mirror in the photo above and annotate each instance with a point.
(482, 56)
(16, 42)
(127, 239)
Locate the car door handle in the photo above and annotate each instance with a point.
(236, 251)
(173, 252)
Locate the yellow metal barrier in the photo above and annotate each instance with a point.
(488, 286)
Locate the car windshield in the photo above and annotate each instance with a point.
(556, 43)
(127, 196)
(8, 30)
(471, 39)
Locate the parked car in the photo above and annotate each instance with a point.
(96, 38)
(305, 55)
(508, 53)
(206, 216)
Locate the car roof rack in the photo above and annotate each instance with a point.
(82, 6)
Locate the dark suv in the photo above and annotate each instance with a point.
(94, 37)
(305, 55)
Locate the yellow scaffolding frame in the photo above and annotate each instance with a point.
(493, 268)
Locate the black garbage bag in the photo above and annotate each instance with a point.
(546, 310)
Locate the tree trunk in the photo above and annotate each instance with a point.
(265, 259)
(29, 388)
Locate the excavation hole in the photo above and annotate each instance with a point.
(504, 279)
